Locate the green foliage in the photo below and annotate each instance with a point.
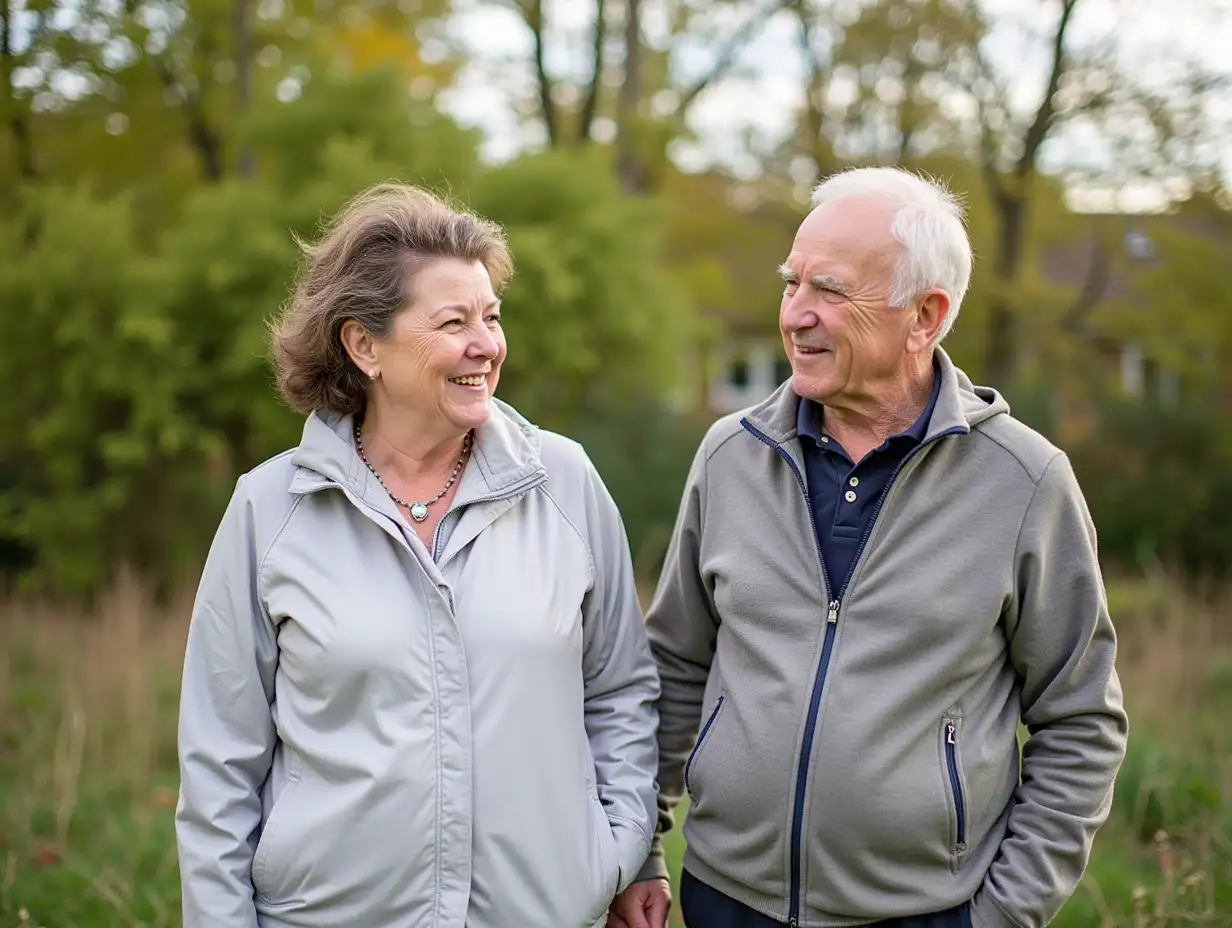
(1156, 480)
(591, 313)
(137, 386)
(643, 452)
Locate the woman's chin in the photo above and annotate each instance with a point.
(471, 414)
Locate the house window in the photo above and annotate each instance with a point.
(1138, 245)
(738, 373)
(782, 370)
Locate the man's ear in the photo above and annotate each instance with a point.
(931, 312)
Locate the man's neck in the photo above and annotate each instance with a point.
(861, 428)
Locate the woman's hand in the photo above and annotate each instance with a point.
(644, 904)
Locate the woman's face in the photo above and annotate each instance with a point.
(441, 361)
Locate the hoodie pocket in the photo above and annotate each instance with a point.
(702, 738)
(950, 730)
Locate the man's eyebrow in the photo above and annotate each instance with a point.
(820, 281)
(826, 282)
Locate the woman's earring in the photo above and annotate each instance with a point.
(372, 374)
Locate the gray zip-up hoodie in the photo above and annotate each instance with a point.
(371, 736)
(857, 759)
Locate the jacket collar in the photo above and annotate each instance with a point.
(505, 458)
(960, 406)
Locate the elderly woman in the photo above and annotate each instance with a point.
(417, 692)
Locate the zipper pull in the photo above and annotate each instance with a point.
(949, 733)
(832, 617)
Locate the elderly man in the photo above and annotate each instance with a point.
(875, 575)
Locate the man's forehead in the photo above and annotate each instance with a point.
(847, 232)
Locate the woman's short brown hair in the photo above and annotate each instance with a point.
(363, 268)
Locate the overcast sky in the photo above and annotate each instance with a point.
(762, 97)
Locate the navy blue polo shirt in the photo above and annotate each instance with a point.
(844, 495)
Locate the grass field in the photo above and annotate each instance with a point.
(88, 766)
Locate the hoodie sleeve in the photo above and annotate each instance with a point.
(683, 626)
(1063, 647)
(621, 685)
(226, 729)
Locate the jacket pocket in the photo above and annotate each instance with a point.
(702, 737)
(950, 729)
(270, 845)
(609, 857)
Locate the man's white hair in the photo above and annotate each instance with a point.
(929, 223)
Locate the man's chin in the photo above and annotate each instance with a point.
(812, 386)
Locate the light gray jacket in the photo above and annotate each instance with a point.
(373, 736)
(857, 759)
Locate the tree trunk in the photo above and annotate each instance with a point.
(591, 105)
(629, 168)
(1010, 194)
(534, 18)
(1001, 347)
(18, 121)
(200, 134)
(246, 163)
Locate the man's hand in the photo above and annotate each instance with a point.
(644, 904)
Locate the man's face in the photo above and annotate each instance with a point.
(845, 343)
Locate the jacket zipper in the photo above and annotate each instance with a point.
(688, 764)
(819, 681)
(827, 648)
(951, 761)
(521, 487)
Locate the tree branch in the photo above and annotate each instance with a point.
(534, 19)
(1038, 130)
(591, 104)
(200, 134)
(1094, 286)
(813, 116)
(728, 53)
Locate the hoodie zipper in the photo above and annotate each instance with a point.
(827, 648)
(701, 739)
(951, 762)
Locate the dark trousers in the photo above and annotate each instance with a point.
(705, 907)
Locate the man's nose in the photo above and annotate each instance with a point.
(798, 312)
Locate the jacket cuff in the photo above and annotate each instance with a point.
(630, 850)
(655, 867)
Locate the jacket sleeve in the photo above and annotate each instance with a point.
(620, 685)
(226, 729)
(1063, 647)
(683, 625)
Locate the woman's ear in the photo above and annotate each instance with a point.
(361, 347)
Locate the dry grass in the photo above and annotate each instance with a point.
(88, 767)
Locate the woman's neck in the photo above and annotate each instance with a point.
(407, 452)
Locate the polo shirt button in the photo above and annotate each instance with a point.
(854, 481)
(849, 496)
(826, 439)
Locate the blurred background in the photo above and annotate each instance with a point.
(650, 160)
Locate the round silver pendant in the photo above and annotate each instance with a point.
(419, 512)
